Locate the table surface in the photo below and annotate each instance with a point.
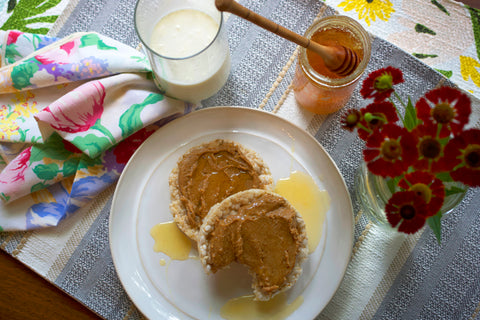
(26, 295)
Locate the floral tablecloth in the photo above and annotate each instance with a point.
(389, 276)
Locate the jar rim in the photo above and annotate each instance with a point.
(353, 26)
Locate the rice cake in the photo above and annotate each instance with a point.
(261, 230)
(209, 173)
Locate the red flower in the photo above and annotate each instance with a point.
(390, 151)
(12, 177)
(463, 153)
(379, 84)
(76, 111)
(13, 36)
(406, 210)
(447, 107)
(125, 149)
(426, 185)
(430, 149)
(374, 116)
(351, 119)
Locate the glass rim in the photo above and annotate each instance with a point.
(174, 58)
(354, 27)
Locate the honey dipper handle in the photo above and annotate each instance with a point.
(337, 58)
(239, 10)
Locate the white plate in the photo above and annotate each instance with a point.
(181, 289)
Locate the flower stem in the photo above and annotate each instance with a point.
(396, 108)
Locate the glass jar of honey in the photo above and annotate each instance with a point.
(316, 88)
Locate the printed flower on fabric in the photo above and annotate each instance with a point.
(13, 36)
(49, 211)
(90, 67)
(76, 111)
(463, 151)
(13, 116)
(60, 55)
(8, 125)
(379, 84)
(63, 62)
(430, 150)
(390, 151)
(13, 175)
(369, 10)
(11, 52)
(375, 116)
(447, 107)
(406, 210)
(427, 186)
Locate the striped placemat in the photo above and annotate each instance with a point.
(390, 276)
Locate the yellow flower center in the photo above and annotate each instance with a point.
(391, 149)
(423, 191)
(383, 82)
(430, 148)
(443, 112)
(472, 156)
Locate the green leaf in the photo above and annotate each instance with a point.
(23, 134)
(440, 6)
(411, 120)
(93, 39)
(392, 183)
(420, 28)
(446, 73)
(22, 73)
(52, 148)
(130, 121)
(100, 127)
(424, 55)
(38, 186)
(70, 167)
(87, 162)
(46, 171)
(453, 190)
(475, 17)
(11, 52)
(4, 196)
(444, 176)
(29, 13)
(435, 224)
(92, 143)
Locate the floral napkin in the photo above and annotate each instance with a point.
(72, 113)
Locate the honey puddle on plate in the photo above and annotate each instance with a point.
(312, 203)
(171, 241)
(246, 308)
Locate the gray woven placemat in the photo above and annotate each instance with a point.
(434, 282)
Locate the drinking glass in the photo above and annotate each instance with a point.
(183, 67)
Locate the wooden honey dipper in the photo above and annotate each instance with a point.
(338, 59)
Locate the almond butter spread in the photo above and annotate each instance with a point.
(264, 233)
(209, 174)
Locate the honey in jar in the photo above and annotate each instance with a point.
(318, 89)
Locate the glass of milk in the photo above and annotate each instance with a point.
(186, 44)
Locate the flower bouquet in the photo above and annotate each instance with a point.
(421, 153)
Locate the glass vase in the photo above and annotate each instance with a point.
(373, 192)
